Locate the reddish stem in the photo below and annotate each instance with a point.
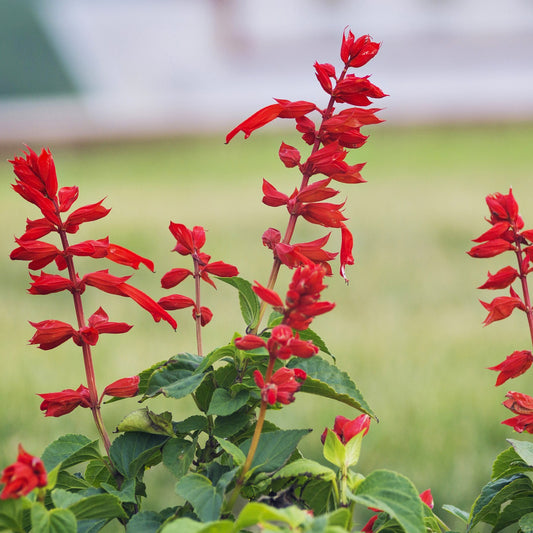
(523, 281)
(198, 312)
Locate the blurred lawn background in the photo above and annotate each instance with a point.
(408, 327)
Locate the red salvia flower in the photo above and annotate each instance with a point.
(123, 388)
(51, 333)
(289, 155)
(490, 248)
(39, 253)
(501, 280)
(502, 307)
(250, 342)
(347, 429)
(282, 386)
(514, 365)
(61, 403)
(24, 475)
(49, 283)
(175, 301)
(175, 277)
(521, 405)
(283, 344)
(357, 52)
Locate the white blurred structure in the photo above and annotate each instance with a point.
(172, 66)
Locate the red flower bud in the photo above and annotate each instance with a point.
(23, 476)
(123, 388)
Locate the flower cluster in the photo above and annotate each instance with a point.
(24, 475)
(507, 234)
(190, 242)
(301, 306)
(330, 139)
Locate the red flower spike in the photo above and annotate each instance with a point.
(67, 196)
(514, 365)
(51, 333)
(175, 301)
(64, 402)
(250, 342)
(23, 476)
(123, 388)
(490, 248)
(174, 277)
(282, 386)
(519, 403)
(501, 307)
(267, 295)
(49, 283)
(289, 155)
(501, 280)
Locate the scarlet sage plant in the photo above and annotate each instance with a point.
(227, 452)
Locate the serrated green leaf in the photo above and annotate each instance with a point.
(97, 472)
(132, 452)
(319, 495)
(191, 424)
(66, 480)
(512, 512)
(199, 491)
(11, 514)
(227, 426)
(305, 468)
(325, 379)
(126, 494)
(99, 506)
(70, 450)
(178, 455)
(394, 494)
(487, 505)
(91, 526)
(224, 403)
(248, 300)
(147, 421)
(274, 448)
(53, 521)
(144, 522)
(214, 356)
(508, 463)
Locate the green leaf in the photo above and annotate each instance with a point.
(70, 450)
(305, 468)
(132, 452)
(53, 521)
(126, 494)
(97, 506)
(318, 495)
(325, 379)
(144, 522)
(66, 480)
(274, 448)
(191, 424)
(223, 403)
(511, 513)
(11, 514)
(259, 513)
(199, 491)
(524, 449)
(231, 449)
(493, 495)
(97, 472)
(178, 455)
(248, 300)
(458, 513)
(187, 525)
(526, 523)
(227, 426)
(395, 495)
(148, 422)
(310, 335)
(333, 450)
(214, 356)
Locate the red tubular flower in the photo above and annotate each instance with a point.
(357, 52)
(282, 386)
(49, 283)
(501, 280)
(324, 214)
(220, 269)
(283, 344)
(62, 403)
(269, 296)
(324, 73)
(123, 388)
(175, 277)
(39, 253)
(123, 256)
(346, 250)
(51, 333)
(490, 248)
(503, 208)
(67, 196)
(87, 213)
(514, 365)
(522, 405)
(502, 307)
(24, 475)
(249, 342)
(35, 229)
(289, 155)
(356, 90)
(175, 301)
(347, 429)
(205, 315)
(272, 197)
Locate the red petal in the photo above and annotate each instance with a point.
(267, 295)
(256, 121)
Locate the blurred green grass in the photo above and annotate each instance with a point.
(407, 328)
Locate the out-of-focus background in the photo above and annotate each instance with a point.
(135, 97)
